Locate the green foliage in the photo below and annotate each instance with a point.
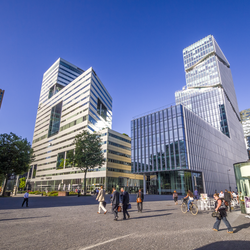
(73, 193)
(22, 183)
(88, 153)
(15, 155)
(125, 134)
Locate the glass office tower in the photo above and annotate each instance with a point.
(195, 143)
(245, 120)
(209, 84)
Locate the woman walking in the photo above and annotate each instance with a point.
(175, 197)
(221, 208)
(101, 198)
(139, 200)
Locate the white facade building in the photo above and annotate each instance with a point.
(71, 100)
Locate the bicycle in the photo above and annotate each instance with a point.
(192, 207)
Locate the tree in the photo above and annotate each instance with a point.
(15, 156)
(88, 153)
(22, 183)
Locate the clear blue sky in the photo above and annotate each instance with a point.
(135, 47)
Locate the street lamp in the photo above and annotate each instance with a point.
(229, 179)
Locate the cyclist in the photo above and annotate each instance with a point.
(190, 198)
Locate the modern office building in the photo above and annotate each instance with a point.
(1, 96)
(245, 120)
(195, 143)
(70, 100)
(73, 100)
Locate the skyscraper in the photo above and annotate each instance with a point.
(1, 96)
(195, 143)
(209, 90)
(70, 100)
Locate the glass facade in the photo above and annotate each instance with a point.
(245, 120)
(55, 118)
(158, 141)
(204, 92)
(242, 174)
(159, 150)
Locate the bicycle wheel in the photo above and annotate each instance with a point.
(194, 209)
(183, 208)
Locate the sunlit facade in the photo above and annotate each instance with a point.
(195, 143)
(245, 120)
(71, 100)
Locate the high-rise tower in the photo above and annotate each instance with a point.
(194, 144)
(209, 90)
(71, 100)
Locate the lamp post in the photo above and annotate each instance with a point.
(229, 179)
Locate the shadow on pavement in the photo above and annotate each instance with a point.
(142, 217)
(232, 244)
(24, 218)
(44, 202)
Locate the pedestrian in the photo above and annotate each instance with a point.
(221, 208)
(196, 194)
(115, 203)
(175, 197)
(97, 192)
(125, 202)
(101, 198)
(139, 200)
(227, 198)
(190, 198)
(221, 195)
(78, 191)
(26, 198)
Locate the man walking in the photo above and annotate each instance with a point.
(125, 202)
(26, 198)
(101, 198)
(115, 203)
(227, 198)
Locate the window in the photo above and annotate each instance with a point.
(55, 119)
(101, 109)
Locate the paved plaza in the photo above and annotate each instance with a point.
(73, 223)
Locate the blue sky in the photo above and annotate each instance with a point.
(134, 46)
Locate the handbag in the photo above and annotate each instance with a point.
(216, 214)
(138, 200)
(119, 209)
(129, 206)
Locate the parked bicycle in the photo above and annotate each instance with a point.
(192, 207)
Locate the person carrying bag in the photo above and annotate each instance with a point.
(220, 214)
(139, 200)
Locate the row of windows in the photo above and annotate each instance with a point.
(103, 89)
(119, 153)
(108, 105)
(118, 145)
(79, 71)
(60, 96)
(71, 124)
(119, 138)
(118, 170)
(119, 162)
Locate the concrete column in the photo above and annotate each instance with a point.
(144, 184)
